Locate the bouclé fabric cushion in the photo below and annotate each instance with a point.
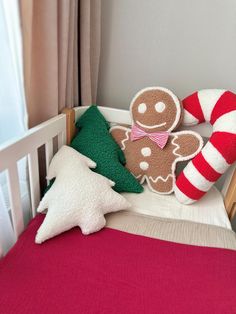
(151, 148)
(94, 141)
(217, 107)
(73, 201)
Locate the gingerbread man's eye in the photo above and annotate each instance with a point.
(142, 108)
(160, 106)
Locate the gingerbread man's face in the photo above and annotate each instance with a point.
(156, 109)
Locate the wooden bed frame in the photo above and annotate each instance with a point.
(62, 128)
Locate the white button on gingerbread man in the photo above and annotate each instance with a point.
(150, 147)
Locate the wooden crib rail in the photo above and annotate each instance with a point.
(230, 197)
(27, 146)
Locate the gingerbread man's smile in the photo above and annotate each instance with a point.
(150, 126)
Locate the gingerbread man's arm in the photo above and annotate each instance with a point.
(120, 134)
(188, 143)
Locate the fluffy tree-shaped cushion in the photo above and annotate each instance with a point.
(78, 197)
(94, 141)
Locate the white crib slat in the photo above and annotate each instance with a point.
(15, 200)
(34, 180)
(34, 138)
(61, 139)
(49, 154)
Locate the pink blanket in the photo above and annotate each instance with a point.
(115, 272)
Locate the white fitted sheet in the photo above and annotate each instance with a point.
(209, 210)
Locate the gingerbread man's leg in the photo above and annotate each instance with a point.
(161, 185)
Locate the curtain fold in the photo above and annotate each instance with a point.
(61, 47)
(89, 43)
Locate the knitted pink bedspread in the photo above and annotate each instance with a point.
(115, 272)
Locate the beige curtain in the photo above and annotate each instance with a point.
(61, 48)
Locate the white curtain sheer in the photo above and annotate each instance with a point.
(13, 115)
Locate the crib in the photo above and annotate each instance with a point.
(56, 132)
(61, 130)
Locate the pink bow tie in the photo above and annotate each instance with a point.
(160, 138)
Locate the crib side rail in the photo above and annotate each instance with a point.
(27, 146)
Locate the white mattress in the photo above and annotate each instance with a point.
(209, 210)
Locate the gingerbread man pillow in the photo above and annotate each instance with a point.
(150, 147)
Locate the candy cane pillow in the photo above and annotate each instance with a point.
(218, 107)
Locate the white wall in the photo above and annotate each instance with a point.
(183, 45)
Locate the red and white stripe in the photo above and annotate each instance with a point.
(218, 107)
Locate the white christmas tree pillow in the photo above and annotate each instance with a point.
(78, 197)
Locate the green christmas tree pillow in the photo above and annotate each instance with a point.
(94, 141)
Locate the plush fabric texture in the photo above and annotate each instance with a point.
(95, 142)
(218, 107)
(151, 148)
(76, 200)
(115, 272)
